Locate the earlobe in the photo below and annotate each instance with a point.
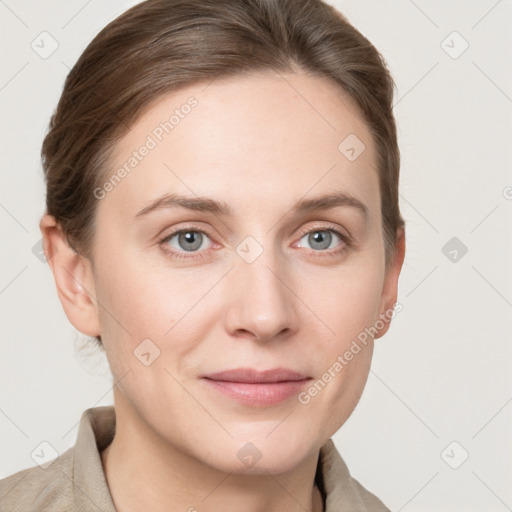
(73, 277)
(390, 288)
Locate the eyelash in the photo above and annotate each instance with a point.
(347, 242)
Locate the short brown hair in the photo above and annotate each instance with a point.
(159, 46)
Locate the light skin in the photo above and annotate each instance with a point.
(255, 144)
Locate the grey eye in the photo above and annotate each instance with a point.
(319, 239)
(188, 240)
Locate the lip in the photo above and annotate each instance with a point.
(257, 388)
(252, 376)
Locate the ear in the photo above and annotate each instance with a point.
(390, 287)
(73, 276)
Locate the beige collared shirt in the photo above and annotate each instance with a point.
(75, 481)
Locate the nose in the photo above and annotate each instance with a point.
(263, 305)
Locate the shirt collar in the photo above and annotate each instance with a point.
(97, 427)
(96, 430)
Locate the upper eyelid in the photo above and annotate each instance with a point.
(326, 228)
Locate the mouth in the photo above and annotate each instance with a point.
(252, 376)
(257, 388)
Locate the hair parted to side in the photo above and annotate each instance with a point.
(159, 46)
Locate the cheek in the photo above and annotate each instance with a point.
(349, 307)
(346, 354)
(126, 308)
(349, 302)
(133, 296)
(144, 310)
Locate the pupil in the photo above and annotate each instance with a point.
(190, 237)
(321, 237)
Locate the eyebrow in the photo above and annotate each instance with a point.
(205, 204)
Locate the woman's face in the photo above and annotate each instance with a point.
(265, 284)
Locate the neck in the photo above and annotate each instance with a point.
(168, 478)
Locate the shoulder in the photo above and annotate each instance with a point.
(370, 502)
(342, 489)
(37, 489)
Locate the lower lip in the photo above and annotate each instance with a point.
(258, 394)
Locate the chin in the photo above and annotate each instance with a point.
(260, 455)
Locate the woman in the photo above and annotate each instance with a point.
(222, 216)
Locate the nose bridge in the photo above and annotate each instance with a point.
(263, 302)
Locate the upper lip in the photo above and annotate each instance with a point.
(250, 375)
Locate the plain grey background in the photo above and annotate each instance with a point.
(433, 428)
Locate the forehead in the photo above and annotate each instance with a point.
(268, 137)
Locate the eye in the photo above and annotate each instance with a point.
(187, 240)
(322, 238)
